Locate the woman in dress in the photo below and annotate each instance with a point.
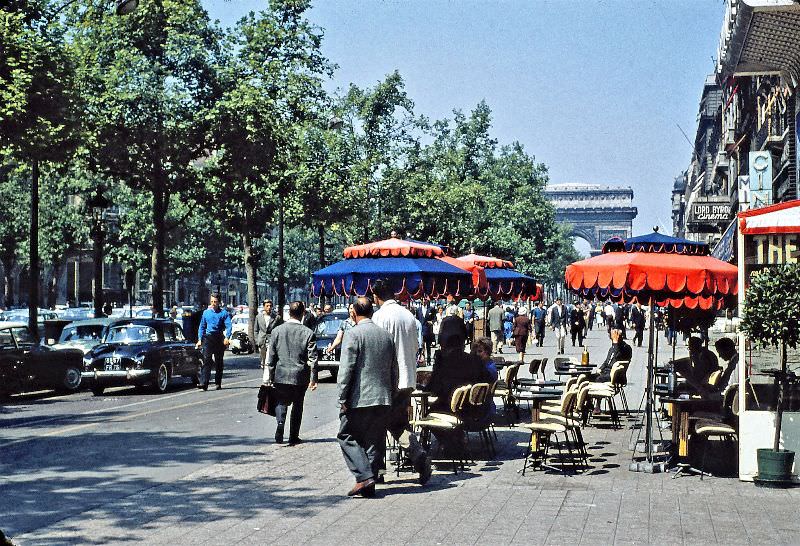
(508, 325)
(522, 329)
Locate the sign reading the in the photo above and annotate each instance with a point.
(773, 249)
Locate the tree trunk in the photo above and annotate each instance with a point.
(158, 257)
(281, 261)
(97, 253)
(52, 287)
(250, 269)
(321, 233)
(8, 278)
(33, 286)
(781, 392)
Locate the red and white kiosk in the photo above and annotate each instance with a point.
(768, 236)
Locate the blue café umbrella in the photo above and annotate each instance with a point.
(413, 277)
(505, 282)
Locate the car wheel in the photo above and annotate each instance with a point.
(72, 379)
(334, 373)
(235, 351)
(97, 390)
(162, 379)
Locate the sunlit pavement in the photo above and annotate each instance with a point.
(194, 468)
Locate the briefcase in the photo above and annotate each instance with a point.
(267, 400)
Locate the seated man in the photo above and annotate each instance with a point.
(619, 351)
(453, 368)
(701, 364)
(726, 349)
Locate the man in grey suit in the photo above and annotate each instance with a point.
(266, 321)
(293, 369)
(368, 375)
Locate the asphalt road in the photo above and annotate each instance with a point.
(62, 456)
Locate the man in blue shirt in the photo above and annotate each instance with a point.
(214, 335)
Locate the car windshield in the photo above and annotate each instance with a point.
(240, 320)
(78, 313)
(23, 336)
(131, 333)
(82, 333)
(329, 325)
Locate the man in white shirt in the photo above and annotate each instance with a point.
(402, 326)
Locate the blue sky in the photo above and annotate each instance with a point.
(593, 89)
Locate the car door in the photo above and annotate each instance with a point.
(11, 363)
(183, 355)
(31, 364)
(171, 349)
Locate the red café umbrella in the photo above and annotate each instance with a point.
(479, 283)
(487, 261)
(658, 270)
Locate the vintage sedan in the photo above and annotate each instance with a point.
(26, 365)
(326, 329)
(141, 352)
(83, 334)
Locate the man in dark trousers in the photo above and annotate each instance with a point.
(266, 321)
(638, 320)
(539, 315)
(213, 335)
(292, 366)
(577, 323)
(368, 376)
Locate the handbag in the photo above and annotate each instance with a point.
(267, 400)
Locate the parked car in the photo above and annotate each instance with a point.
(141, 352)
(326, 330)
(240, 342)
(83, 334)
(77, 313)
(26, 365)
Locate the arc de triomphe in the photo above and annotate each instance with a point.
(595, 212)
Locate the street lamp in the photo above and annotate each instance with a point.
(98, 203)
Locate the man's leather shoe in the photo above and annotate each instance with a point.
(219, 387)
(425, 471)
(295, 441)
(365, 489)
(204, 387)
(380, 479)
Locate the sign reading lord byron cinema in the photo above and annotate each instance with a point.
(710, 212)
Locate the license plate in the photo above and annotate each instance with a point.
(113, 363)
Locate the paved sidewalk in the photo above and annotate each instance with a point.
(293, 495)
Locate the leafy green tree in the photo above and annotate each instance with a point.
(147, 78)
(39, 116)
(14, 228)
(271, 87)
(382, 122)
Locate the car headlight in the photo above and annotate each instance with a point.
(139, 359)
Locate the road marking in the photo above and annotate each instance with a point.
(65, 430)
(103, 410)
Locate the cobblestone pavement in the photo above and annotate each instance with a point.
(293, 495)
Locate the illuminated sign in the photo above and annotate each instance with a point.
(709, 212)
(760, 179)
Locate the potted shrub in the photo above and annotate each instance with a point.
(772, 318)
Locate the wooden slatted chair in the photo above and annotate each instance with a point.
(447, 421)
(544, 429)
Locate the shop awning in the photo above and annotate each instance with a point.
(774, 219)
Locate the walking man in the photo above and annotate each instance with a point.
(539, 320)
(559, 318)
(292, 365)
(402, 327)
(496, 325)
(213, 335)
(638, 320)
(266, 321)
(368, 376)
(469, 322)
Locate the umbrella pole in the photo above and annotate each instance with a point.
(648, 465)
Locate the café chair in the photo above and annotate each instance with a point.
(723, 426)
(448, 421)
(547, 428)
(609, 390)
(505, 390)
(480, 423)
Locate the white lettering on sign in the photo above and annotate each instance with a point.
(777, 249)
(710, 213)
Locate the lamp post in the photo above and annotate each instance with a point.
(98, 204)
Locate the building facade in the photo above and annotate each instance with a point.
(745, 152)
